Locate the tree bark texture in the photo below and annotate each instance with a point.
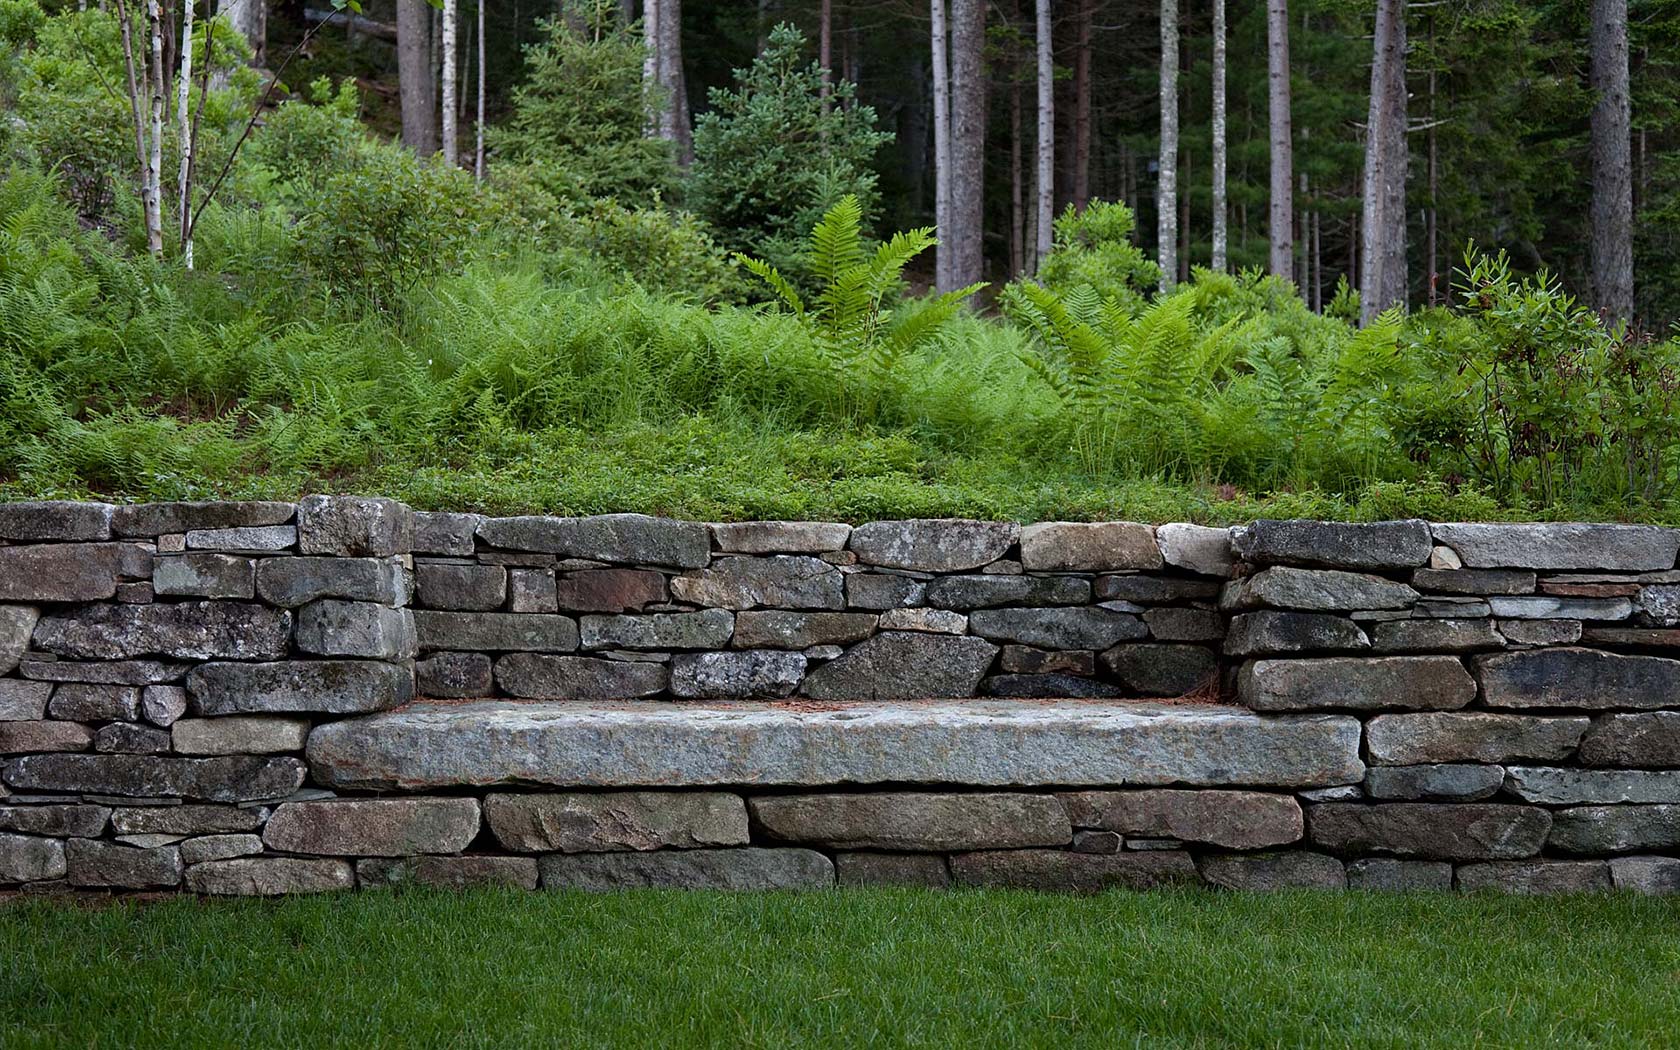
(1221, 234)
(414, 74)
(942, 147)
(1282, 217)
(451, 134)
(1045, 205)
(1166, 193)
(1383, 270)
(968, 140)
(1610, 244)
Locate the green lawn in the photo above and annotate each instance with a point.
(875, 968)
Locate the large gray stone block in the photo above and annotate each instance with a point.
(110, 864)
(620, 820)
(933, 544)
(1584, 679)
(62, 821)
(17, 626)
(1231, 819)
(1616, 829)
(1536, 876)
(1074, 546)
(915, 821)
(1162, 670)
(332, 627)
(1078, 627)
(1435, 782)
(183, 630)
(776, 629)
(1279, 870)
(1561, 546)
(631, 539)
(1647, 740)
(239, 735)
(1268, 631)
(448, 873)
(700, 869)
(1317, 590)
(781, 581)
(921, 870)
(1470, 736)
(708, 629)
(219, 847)
(454, 675)
(1197, 548)
(17, 738)
(981, 591)
(290, 582)
(262, 539)
(1064, 871)
(780, 537)
(61, 572)
(1655, 875)
(204, 574)
(28, 858)
(79, 702)
(387, 827)
(976, 743)
(610, 590)
(270, 876)
(445, 585)
(1369, 545)
(354, 526)
(1387, 875)
(185, 820)
(234, 779)
(102, 672)
(1462, 831)
(23, 701)
(337, 687)
(1437, 636)
(904, 665)
(56, 520)
(1556, 786)
(1356, 683)
(158, 519)
(445, 533)
(496, 632)
(538, 676)
(763, 674)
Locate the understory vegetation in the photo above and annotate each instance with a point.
(359, 319)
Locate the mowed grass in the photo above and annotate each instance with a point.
(843, 969)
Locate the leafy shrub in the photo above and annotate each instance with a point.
(665, 250)
(1093, 249)
(769, 161)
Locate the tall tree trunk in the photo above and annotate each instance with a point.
(451, 135)
(183, 183)
(651, 89)
(1220, 233)
(825, 48)
(674, 124)
(1017, 161)
(944, 251)
(414, 73)
(478, 124)
(157, 87)
(1432, 230)
(1166, 194)
(1046, 204)
(1282, 217)
(250, 18)
(1611, 243)
(968, 140)
(1383, 280)
(1082, 105)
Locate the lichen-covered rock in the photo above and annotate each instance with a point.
(1465, 831)
(1639, 741)
(56, 520)
(1525, 633)
(1184, 625)
(1231, 819)
(335, 687)
(109, 864)
(931, 621)
(880, 590)
(933, 544)
(454, 675)
(445, 533)
(609, 590)
(977, 592)
(1317, 590)
(1474, 581)
(776, 629)
(780, 537)
(61, 572)
(1058, 628)
(747, 868)
(1197, 548)
(1386, 875)
(1065, 871)
(239, 735)
(1279, 870)
(23, 701)
(1566, 787)
(496, 632)
(1368, 545)
(331, 627)
(1162, 670)
(17, 738)
(28, 858)
(209, 630)
(1047, 687)
(1660, 604)
(1548, 607)
(389, 827)
(131, 738)
(1654, 875)
(1356, 683)
(708, 629)
(1269, 631)
(1561, 546)
(1536, 876)
(621, 820)
(448, 873)
(446, 585)
(904, 665)
(270, 876)
(79, 702)
(157, 519)
(185, 820)
(923, 870)
(208, 848)
(537, 676)
(1074, 546)
(232, 779)
(354, 526)
(1436, 782)
(1438, 636)
(290, 582)
(914, 820)
(782, 581)
(204, 574)
(261, 539)
(61, 821)
(631, 539)
(1616, 829)
(1585, 679)
(742, 675)
(1470, 736)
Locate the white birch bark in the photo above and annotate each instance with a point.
(1220, 231)
(1281, 221)
(1046, 203)
(941, 148)
(450, 133)
(183, 94)
(1166, 194)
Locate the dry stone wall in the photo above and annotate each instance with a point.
(265, 698)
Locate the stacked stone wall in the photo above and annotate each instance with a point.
(266, 697)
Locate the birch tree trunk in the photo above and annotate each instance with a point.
(1082, 106)
(1611, 243)
(414, 75)
(968, 140)
(650, 65)
(1282, 218)
(825, 48)
(941, 149)
(1166, 194)
(1045, 206)
(183, 182)
(451, 134)
(478, 124)
(157, 87)
(1383, 269)
(1220, 232)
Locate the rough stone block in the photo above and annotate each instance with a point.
(1047, 687)
(537, 676)
(444, 533)
(219, 847)
(454, 675)
(780, 537)
(747, 868)
(393, 827)
(1548, 607)
(23, 701)
(330, 627)
(1280, 870)
(265, 539)
(1355, 683)
(1261, 633)
(56, 520)
(201, 574)
(235, 779)
(157, 519)
(110, 864)
(982, 591)
(622, 820)
(1474, 581)
(1399, 876)
(1438, 636)
(130, 738)
(61, 821)
(1231, 819)
(933, 544)
(1437, 782)
(1565, 787)
(610, 590)
(1065, 871)
(877, 590)
(1654, 875)
(184, 630)
(1061, 628)
(921, 870)
(1647, 740)
(60, 572)
(1463, 831)
(1317, 590)
(1197, 548)
(534, 590)
(1162, 670)
(185, 820)
(903, 665)
(709, 629)
(779, 581)
(443, 585)
(78, 702)
(335, 687)
(18, 738)
(448, 873)
(1023, 659)
(1185, 625)
(1616, 829)
(290, 582)
(775, 629)
(27, 858)
(1630, 637)
(1536, 876)
(270, 876)
(496, 632)
(1470, 736)
(914, 821)
(240, 734)
(1561, 546)
(1585, 679)
(1370, 545)
(633, 539)
(745, 675)
(1072, 546)
(931, 621)
(354, 526)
